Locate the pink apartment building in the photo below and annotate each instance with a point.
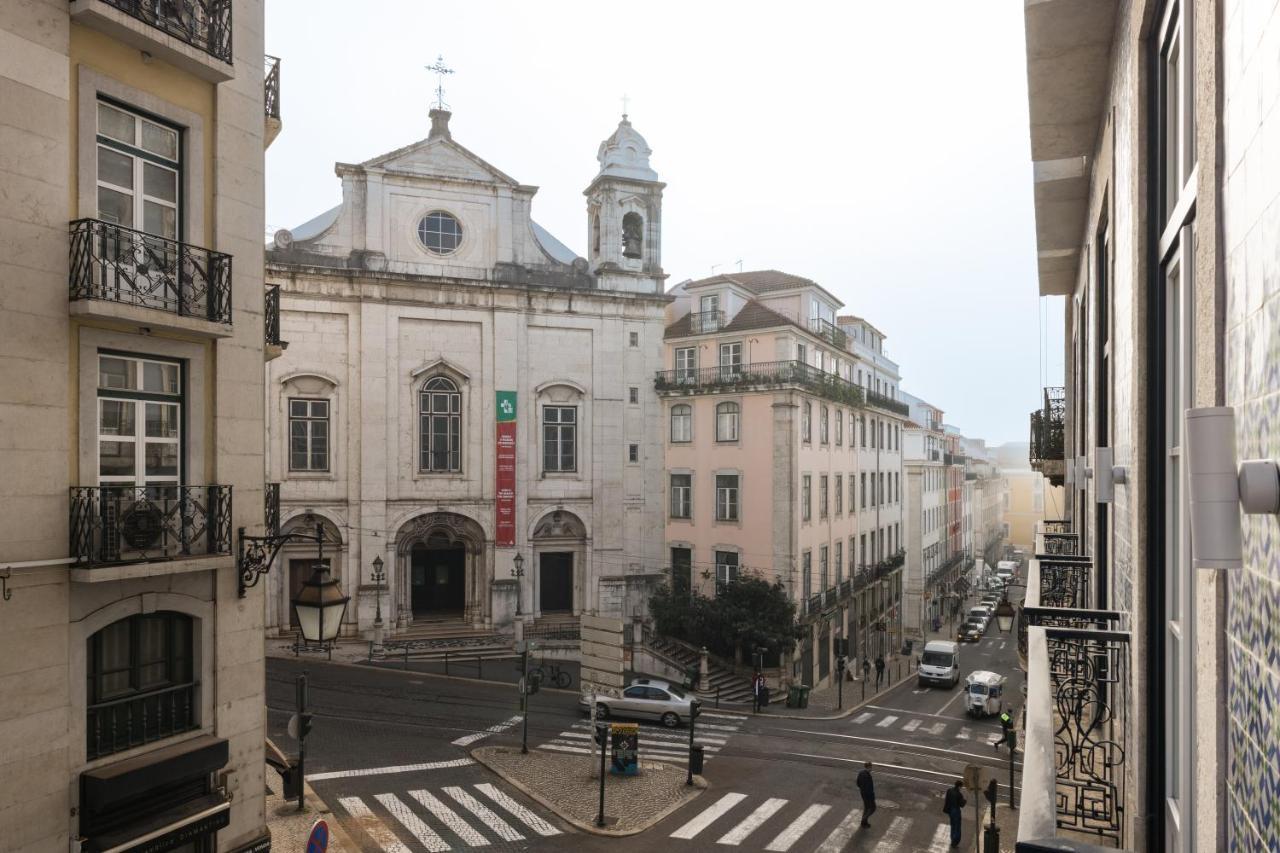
(783, 452)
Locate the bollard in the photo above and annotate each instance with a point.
(717, 698)
(864, 689)
(371, 651)
(446, 663)
(406, 658)
(479, 669)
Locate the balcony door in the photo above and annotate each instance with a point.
(140, 417)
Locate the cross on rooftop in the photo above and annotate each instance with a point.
(440, 70)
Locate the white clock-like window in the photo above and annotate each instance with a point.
(440, 232)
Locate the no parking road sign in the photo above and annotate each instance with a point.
(318, 841)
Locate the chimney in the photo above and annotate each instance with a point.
(440, 124)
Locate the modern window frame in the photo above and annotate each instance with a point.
(139, 402)
(140, 157)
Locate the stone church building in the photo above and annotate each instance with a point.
(458, 388)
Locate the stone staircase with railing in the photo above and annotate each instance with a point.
(722, 681)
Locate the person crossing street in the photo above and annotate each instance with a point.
(879, 670)
(867, 788)
(953, 807)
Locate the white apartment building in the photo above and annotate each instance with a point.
(461, 388)
(925, 512)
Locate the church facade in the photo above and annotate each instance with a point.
(459, 389)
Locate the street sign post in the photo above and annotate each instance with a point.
(973, 779)
(318, 840)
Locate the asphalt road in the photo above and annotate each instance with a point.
(382, 754)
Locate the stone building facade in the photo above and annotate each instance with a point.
(1156, 198)
(131, 357)
(429, 318)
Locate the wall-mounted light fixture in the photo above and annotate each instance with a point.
(1219, 488)
(1106, 474)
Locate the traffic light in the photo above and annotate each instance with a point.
(992, 788)
(304, 725)
(531, 686)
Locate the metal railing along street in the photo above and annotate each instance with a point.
(118, 264)
(129, 524)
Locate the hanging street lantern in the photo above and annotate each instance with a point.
(320, 606)
(1005, 613)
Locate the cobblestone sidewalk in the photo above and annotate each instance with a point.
(290, 828)
(566, 785)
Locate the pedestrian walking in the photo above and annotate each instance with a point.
(761, 691)
(879, 670)
(867, 788)
(953, 807)
(866, 669)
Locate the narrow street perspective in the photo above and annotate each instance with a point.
(566, 426)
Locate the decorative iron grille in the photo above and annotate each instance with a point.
(829, 332)
(1065, 583)
(130, 524)
(1061, 544)
(271, 315)
(553, 631)
(203, 24)
(271, 508)
(140, 719)
(271, 87)
(706, 321)
(794, 372)
(1055, 525)
(1089, 673)
(119, 264)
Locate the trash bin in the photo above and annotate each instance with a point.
(793, 696)
(803, 697)
(691, 678)
(695, 758)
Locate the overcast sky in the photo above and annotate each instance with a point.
(880, 149)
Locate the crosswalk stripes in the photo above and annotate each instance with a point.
(730, 817)
(863, 717)
(467, 740)
(660, 744)
(440, 823)
(910, 725)
(887, 721)
(798, 827)
(941, 839)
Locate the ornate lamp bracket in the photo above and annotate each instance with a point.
(255, 554)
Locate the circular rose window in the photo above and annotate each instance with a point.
(440, 232)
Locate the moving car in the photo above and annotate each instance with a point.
(970, 632)
(984, 693)
(645, 698)
(980, 614)
(939, 664)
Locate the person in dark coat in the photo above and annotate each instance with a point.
(867, 788)
(953, 807)
(879, 670)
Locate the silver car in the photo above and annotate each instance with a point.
(645, 698)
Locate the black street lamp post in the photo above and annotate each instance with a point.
(518, 574)
(378, 577)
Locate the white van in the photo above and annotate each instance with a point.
(939, 664)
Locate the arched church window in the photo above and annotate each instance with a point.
(632, 235)
(440, 414)
(595, 234)
(440, 232)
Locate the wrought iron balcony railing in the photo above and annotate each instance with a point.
(880, 401)
(1048, 436)
(1055, 525)
(135, 720)
(271, 315)
(118, 264)
(203, 24)
(766, 374)
(271, 87)
(701, 322)
(1057, 544)
(131, 524)
(271, 509)
(829, 332)
(1075, 749)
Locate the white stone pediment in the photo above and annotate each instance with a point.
(440, 158)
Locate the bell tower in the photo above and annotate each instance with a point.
(624, 215)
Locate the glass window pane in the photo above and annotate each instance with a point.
(115, 417)
(162, 420)
(162, 459)
(319, 408)
(115, 207)
(116, 459)
(159, 140)
(116, 124)
(159, 378)
(115, 167)
(115, 373)
(160, 220)
(297, 408)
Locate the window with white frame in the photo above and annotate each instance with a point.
(806, 497)
(822, 567)
(822, 495)
(731, 358)
(440, 425)
(806, 574)
(823, 425)
(727, 497)
(806, 422)
(308, 434)
(726, 567)
(839, 428)
(681, 495)
(727, 421)
(139, 171)
(681, 423)
(560, 439)
(686, 364)
(839, 494)
(838, 560)
(140, 410)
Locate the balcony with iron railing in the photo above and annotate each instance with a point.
(888, 404)
(119, 273)
(829, 332)
(701, 322)
(271, 99)
(760, 376)
(271, 323)
(842, 590)
(193, 35)
(1048, 436)
(113, 525)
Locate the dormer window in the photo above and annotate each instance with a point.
(440, 232)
